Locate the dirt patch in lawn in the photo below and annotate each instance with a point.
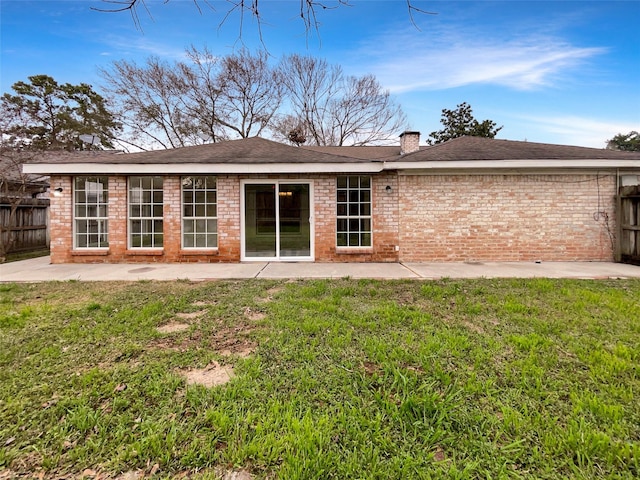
(212, 375)
(173, 327)
(270, 294)
(227, 341)
(254, 315)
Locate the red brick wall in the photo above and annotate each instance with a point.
(384, 222)
(506, 217)
(430, 218)
(385, 235)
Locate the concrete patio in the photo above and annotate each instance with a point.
(41, 270)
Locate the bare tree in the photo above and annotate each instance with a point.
(307, 11)
(335, 109)
(153, 102)
(251, 92)
(204, 99)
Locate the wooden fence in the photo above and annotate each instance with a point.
(29, 229)
(628, 215)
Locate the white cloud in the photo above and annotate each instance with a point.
(141, 46)
(447, 59)
(575, 130)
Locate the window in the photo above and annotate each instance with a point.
(354, 211)
(199, 212)
(90, 212)
(145, 212)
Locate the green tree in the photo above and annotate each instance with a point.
(459, 123)
(628, 143)
(44, 115)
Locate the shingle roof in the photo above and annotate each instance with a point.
(258, 154)
(253, 150)
(364, 153)
(479, 148)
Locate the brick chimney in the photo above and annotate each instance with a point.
(409, 142)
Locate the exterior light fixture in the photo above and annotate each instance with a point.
(57, 192)
(388, 188)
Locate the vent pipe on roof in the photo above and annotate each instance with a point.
(409, 142)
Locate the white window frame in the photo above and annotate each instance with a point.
(136, 199)
(347, 216)
(100, 185)
(196, 207)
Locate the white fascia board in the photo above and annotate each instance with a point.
(512, 164)
(196, 168)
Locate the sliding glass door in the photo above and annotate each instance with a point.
(277, 221)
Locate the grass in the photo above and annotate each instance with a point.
(347, 379)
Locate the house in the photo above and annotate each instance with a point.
(469, 199)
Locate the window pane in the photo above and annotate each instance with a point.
(89, 196)
(199, 201)
(157, 211)
(212, 240)
(157, 183)
(354, 228)
(157, 196)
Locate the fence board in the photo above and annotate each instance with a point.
(628, 215)
(28, 230)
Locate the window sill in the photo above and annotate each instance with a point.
(196, 251)
(90, 252)
(145, 252)
(353, 250)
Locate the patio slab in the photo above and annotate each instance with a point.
(40, 270)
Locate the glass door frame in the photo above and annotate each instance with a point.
(277, 257)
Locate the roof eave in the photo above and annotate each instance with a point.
(550, 164)
(199, 168)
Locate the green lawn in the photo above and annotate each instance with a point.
(333, 379)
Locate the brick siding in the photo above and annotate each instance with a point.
(420, 218)
(507, 217)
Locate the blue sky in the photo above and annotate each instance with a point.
(564, 72)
